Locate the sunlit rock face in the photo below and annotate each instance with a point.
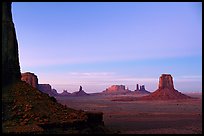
(166, 81)
(115, 88)
(30, 78)
(165, 90)
(10, 59)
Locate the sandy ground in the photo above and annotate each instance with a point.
(144, 117)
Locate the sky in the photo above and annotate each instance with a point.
(99, 44)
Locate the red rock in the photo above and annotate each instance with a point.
(165, 90)
(25, 116)
(30, 78)
(22, 123)
(26, 120)
(166, 81)
(37, 118)
(116, 89)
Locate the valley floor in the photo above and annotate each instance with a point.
(139, 117)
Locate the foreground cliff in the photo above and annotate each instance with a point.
(10, 60)
(25, 109)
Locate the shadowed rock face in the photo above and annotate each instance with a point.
(30, 78)
(46, 88)
(10, 59)
(141, 90)
(80, 92)
(65, 93)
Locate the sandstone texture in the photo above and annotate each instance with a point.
(166, 81)
(30, 78)
(165, 90)
(116, 89)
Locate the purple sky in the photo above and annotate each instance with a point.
(99, 44)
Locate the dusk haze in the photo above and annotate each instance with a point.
(102, 68)
(98, 44)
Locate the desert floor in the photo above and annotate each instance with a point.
(144, 117)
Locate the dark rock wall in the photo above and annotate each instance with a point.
(10, 59)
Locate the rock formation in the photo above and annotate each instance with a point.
(30, 78)
(10, 59)
(166, 81)
(46, 88)
(25, 109)
(65, 93)
(80, 92)
(141, 90)
(165, 90)
(137, 87)
(116, 89)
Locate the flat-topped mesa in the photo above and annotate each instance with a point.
(116, 88)
(166, 81)
(47, 88)
(30, 78)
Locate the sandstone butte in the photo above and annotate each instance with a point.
(141, 90)
(165, 90)
(32, 80)
(114, 89)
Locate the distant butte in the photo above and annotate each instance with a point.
(141, 90)
(166, 90)
(81, 92)
(116, 89)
